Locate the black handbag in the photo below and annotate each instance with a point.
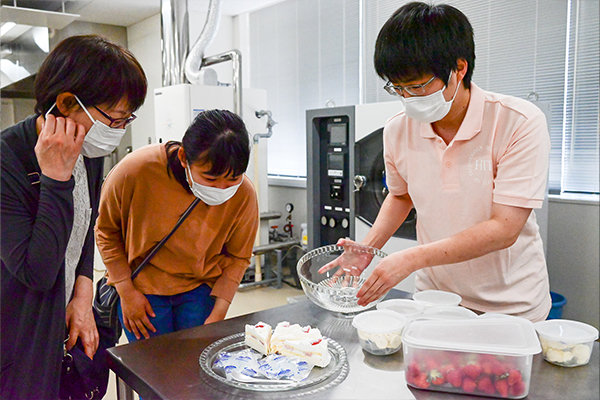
(82, 378)
(105, 300)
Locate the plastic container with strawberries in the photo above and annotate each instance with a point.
(478, 356)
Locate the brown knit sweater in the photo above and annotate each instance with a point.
(140, 203)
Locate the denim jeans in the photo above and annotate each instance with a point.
(177, 312)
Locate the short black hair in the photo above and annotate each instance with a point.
(420, 39)
(215, 137)
(93, 68)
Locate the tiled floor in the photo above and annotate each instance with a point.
(244, 302)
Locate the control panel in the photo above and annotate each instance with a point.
(335, 184)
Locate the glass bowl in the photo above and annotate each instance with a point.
(335, 290)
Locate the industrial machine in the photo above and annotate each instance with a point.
(346, 176)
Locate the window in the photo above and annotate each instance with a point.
(580, 134)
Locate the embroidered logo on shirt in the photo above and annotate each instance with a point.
(480, 164)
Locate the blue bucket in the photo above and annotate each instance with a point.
(558, 302)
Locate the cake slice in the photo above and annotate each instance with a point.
(258, 337)
(305, 343)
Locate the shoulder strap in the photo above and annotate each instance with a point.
(162, 242)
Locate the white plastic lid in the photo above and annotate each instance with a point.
(566, 331)
(510, 336)
(406, 307)
(448, 312)
(379, 321)
(437, 298)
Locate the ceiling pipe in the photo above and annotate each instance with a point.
(194, 60)
(175, 40)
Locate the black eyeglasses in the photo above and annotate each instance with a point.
(117, 122)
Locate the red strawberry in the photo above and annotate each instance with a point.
(499, 369)
(431, 363)
(485, 385)
(502, 387)
(468, 385)
(454, 377)
(413, 369)
(514, 376)
(421, 382)
(472, 370)
(517, 388)
(436, 377)
(487, 367)
(445, 368)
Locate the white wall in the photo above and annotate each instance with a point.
(573, 257)
(143, 40)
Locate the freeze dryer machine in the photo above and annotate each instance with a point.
(346, 176)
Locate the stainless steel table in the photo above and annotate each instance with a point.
(166, 367)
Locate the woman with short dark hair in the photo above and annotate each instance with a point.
(192, 279)
(52, 164)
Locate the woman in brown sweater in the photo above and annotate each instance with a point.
(192, 279)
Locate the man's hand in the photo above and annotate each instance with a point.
(388, 273)
(352, 262)
(58, 146)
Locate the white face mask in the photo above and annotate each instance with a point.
(101, 139)
(429, 108)
(211, 195)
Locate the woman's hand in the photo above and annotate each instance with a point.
(81, 324)
(388, 273)
(136, 309)
(58, 146)
(218, 312)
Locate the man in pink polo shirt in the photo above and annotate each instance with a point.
(473, 164)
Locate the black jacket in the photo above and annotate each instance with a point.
(35, 221)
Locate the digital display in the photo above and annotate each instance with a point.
(337, 134)
(335, 161)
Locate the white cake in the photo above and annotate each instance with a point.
(312, 351)
(258, 337)
(305, 343)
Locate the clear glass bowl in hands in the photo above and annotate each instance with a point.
(331, 276)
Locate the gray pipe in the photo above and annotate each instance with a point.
(270, 124)
(194, 60)
(175, 40)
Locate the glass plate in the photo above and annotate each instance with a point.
(235, 342)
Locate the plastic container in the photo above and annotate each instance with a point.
(558, 302)
(566, 343)
(479, 356)
(379, 331)
(448, 312)
(405, 307)
(431, 298)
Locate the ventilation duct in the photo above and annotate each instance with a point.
(195, 59)
(175, 39)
